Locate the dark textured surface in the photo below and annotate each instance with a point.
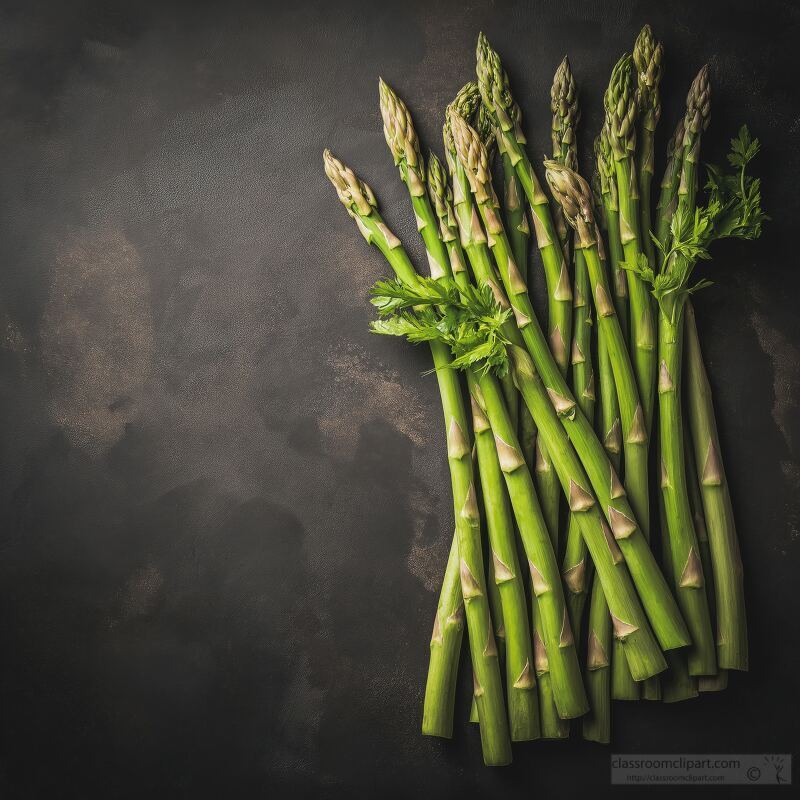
(225, 508)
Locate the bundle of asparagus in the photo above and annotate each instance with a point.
(576, 412)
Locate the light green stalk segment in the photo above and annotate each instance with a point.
(656, 597)
(668, 198)
(596, 725)
(523, 705)
(566, 115)
(687, 568)
(516, 220)
(574, 195)
(565, 675)
(732, 649)
(606, 177)
(676, 683)
(630, 623)
(718, 682)
(496, 95)
(575, 569)
(647, 57)
(511, 617)
(496, 610)
(553, 727)
(448, 629)
(620, 126)
(360, 203)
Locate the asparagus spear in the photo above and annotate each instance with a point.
(668, 199)
(474, 241)
(690, 582)
(360, 202)
(659, 603)
(597, 723)
(622, 684)
(732, 650)
(497, 99)
(718, 682)
(647, 57)
(621, 112)
(566, 114)
(575, 197)
(504, 567)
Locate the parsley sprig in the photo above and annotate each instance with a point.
(732, 210)
(467, 319)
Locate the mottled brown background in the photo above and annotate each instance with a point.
(224, 504)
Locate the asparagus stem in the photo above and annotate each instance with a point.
(732, 650)
(568, 691)
(676, 683)
(493, 83)
(361, 204)
(522, 698)
(687, 571)
(630, 623)
(509, 609)
(575, 566)
(553, 727)
(572, 191)
(606, 174)
(668, 199)
(566, 114)
(621, 111)
(448, 629)
(661, 607)
(597, 723)
(718, 682)
(647, 57)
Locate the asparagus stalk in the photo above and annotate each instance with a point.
(732, 650)
(516, 221)
(687, 567)
(647, 58)
(575, 197)
(597, 723)
(473, 239)
(568, 693)
(621, 112)
(511, 141)
(668, 199)
(360, 202)
(676, 683)
(659, 603)
(445, 646)
(718, 682)
(566, 115)
(505, 573)
(467, 103)
(562, 656)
